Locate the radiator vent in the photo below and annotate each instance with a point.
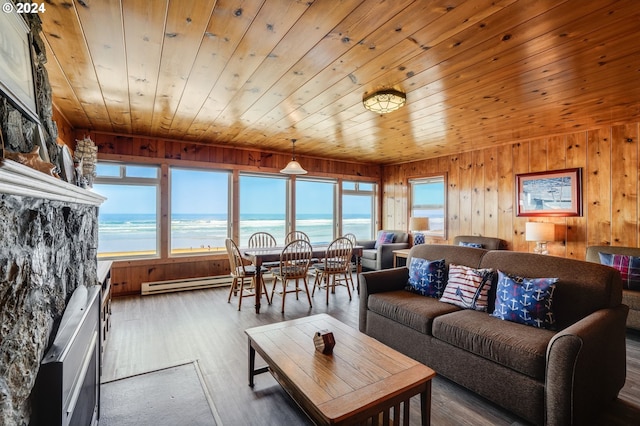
(156, 287)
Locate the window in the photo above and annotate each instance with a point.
(128, 220)
(315, 207)
(358, 209)
(263, 206)
(428, 199)
(199, 210)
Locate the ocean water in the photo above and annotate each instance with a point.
(138, 232)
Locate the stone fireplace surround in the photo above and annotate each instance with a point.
(48, 247)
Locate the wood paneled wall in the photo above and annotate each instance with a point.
(128, 276)
(481, 189)
(65, 131)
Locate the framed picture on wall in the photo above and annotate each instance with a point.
(16, 69)
(552, 193)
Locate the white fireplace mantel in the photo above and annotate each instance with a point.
(18, 179)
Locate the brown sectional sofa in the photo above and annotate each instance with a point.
(630, 298)
(547, 377)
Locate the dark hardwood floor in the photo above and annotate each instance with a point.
(158, 331)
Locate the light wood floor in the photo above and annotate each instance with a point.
(158, 331)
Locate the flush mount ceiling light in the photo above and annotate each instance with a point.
(293, 168)
(384, 101)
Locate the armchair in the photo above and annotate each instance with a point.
(375, 258)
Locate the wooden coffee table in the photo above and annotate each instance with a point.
(362, 379)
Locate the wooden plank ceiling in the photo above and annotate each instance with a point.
(258, 73)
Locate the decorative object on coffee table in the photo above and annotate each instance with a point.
(324, 341)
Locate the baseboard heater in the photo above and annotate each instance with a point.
(157, 287)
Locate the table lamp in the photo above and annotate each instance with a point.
(541, 233)
(418, 224)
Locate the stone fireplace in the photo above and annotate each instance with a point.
(48, 247)
(48, 243)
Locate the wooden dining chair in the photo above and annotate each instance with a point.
(352, 238)
(262, 239)
(296, 235)
(241, 272)
(295, 260)
(335, 269)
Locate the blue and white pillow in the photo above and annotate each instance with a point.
(428, 278)
(418, 238)
(525, 300)
(474, 245)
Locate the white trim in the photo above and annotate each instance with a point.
(21, 180)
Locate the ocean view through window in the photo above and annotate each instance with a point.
(428, 199)
(128, 219)
(315, 206)
(358, 209)
(263, 206)
(200, 209)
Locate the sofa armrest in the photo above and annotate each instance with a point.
(586, 366)
(378, 282)
(385, 254)
(366, 244)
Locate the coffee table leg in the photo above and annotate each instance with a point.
(252, 363)
(425, 405)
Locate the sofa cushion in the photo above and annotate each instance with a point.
(384, 237)
(427, 277)
(525, 300)
(468, 287)
(409, 309)
(512, 345)
(629, 267)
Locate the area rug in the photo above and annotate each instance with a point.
(171, 396)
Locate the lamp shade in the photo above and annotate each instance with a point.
(540, 231)
(293, 168)
(418, 223)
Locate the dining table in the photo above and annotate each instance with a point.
(260, 256)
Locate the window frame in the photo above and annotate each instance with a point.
(431, 178)
(288, 215)
(335, 208)
(196, 253)
(123, 179)
(357, 191)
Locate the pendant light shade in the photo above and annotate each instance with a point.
(384, 101)
(293, 168)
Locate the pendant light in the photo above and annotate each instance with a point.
(293, 168)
